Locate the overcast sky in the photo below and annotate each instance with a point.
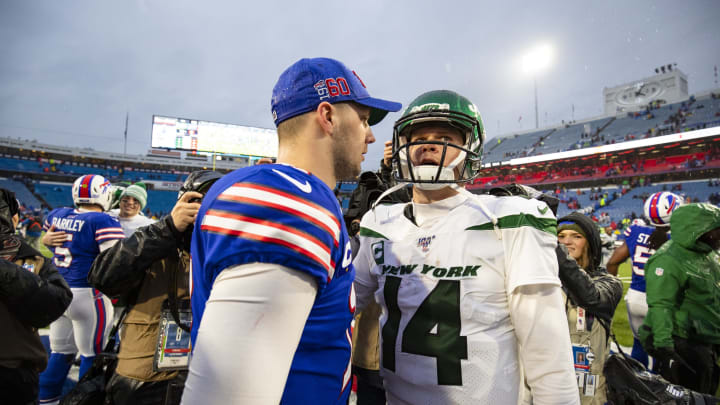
(70, 70)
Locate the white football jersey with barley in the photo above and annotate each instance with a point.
(446, 329)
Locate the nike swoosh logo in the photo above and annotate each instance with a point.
(307, 188)
(541, 211)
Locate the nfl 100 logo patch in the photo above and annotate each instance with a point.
(321, 89)
(424, 242)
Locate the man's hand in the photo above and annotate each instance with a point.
(667, 356)
(387, 153)
(184, 212)
(54, 238)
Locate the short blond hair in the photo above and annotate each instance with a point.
(288, 129)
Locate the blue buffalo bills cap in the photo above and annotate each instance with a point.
(308, 82)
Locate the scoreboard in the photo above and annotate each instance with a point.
(213, 137)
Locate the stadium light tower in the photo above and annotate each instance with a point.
(534, 62)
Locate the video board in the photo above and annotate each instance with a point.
(213, 137)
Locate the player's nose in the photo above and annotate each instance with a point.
(370, 137)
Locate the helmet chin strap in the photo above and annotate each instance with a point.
(428, 172)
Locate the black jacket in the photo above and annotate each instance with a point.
(37, 297)
(119, 271)
(593, 289)
(32, 294)
(386, 175)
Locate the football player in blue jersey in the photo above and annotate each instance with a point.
(76, 236)
(272, 276)
(641, 242)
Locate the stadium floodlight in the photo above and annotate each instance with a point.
(537, 59)
(534, 62)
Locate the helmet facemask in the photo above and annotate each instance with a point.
(464, 168)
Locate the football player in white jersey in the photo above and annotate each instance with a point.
(468, 284)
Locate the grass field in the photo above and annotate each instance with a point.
(44, 250)
(620, 325)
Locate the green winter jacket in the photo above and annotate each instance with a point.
(683, 282)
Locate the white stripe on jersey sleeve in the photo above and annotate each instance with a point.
(109, 233)
(327, 220)
(318, 252)
(110, 236)
(105, 230)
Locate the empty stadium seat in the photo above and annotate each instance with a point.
(23, 195)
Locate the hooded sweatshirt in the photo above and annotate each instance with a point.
(592, 295)
(683, 282)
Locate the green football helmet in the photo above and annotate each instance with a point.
(117, 190)
(442, 107)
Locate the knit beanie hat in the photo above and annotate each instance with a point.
(572, 226)
(118, 189)
(138, 193)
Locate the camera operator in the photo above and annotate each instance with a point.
(150, 270)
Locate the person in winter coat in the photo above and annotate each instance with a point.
(149, 269)
(32, 294)
(682, 327)
(591, 298)
(129, 213)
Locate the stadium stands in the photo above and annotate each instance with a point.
(635, 127)
(160, 202)
(572, 137)
(55, 194)
(52, 168)
(633, 199)
(23, 195)
(513, 146)
(678, 117)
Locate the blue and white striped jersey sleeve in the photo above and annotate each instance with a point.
(107, 228)
(271, 221)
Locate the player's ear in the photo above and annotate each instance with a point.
(325, 114)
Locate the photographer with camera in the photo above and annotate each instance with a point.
(150, 270)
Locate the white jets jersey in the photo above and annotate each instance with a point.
(446, 330)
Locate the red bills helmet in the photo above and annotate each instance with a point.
(92, 189)
(659, 206)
